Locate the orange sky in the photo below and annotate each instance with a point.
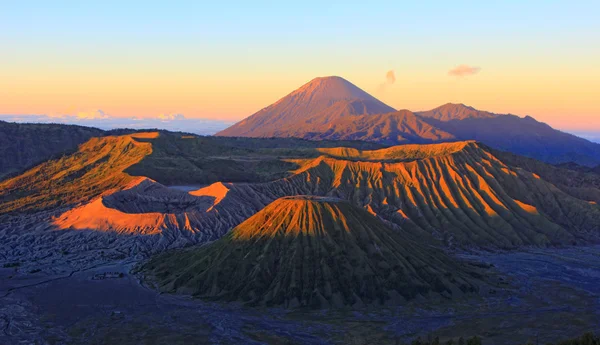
(569, 103)
(210, 60)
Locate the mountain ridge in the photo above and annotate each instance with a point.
(455, 111)
(459, 192)
(524, 136)
(23, 145)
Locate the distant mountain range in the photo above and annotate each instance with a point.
(335, 109)
(98, 119)
(450, 112)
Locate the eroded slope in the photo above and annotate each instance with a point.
(311, 252)
(459, 195)
(95, 169)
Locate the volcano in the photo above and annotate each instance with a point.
(315, 104)
(317, 252)
(332, 108)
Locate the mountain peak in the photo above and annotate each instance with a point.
(456, 111)
(331, 88)
(316, 103)
(455, 106)
(293, 213)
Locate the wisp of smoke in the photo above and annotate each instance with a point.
(463, 70)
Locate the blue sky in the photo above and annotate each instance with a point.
(225, 60)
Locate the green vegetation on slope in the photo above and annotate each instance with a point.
(195, 160)
(311, 252)
(96, 168)
(23, 145)
(578, 181)
(109, 163)
(459, 193)
(465, 198)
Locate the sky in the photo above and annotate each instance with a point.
(224, 60)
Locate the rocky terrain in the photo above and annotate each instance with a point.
(542, 295)
(458, 196)
(67, 222)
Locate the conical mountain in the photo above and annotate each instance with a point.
(318, 102)
(307, 251)
(332, 108)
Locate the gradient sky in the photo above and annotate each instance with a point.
(226, 60)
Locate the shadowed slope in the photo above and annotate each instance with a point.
(311, 252)
(522, 136)
(463, 197)
(22, 145)
(389, 128)
(576, 180)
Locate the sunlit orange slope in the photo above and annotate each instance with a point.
(460, 194)
(95, 169)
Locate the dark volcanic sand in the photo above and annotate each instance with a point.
(552, 293)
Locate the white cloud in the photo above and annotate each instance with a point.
(171, 117)
(96, 114)
(99, 119)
